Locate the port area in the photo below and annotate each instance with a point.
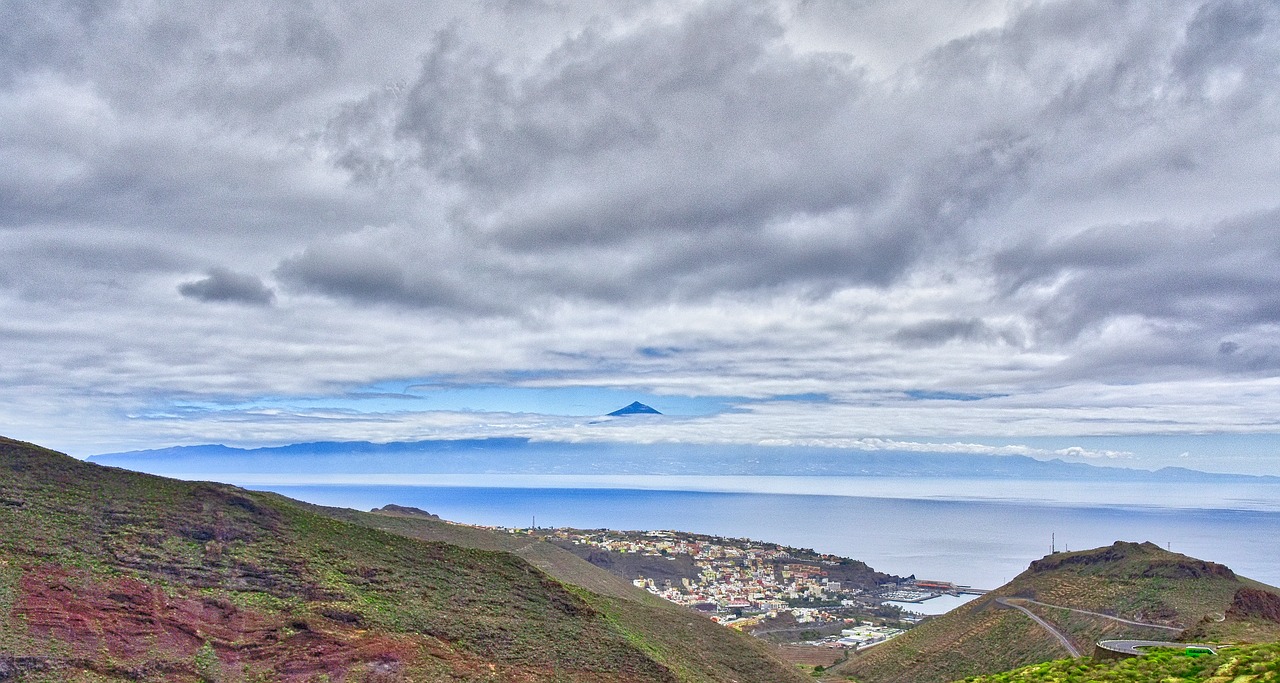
(919, 591)
(920, 599)
(896, 606)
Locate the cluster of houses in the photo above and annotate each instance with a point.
(743, 585)
(731, 578)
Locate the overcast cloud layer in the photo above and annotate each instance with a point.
(841, 217)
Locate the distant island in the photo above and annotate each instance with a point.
(526, 456)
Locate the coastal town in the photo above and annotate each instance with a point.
(782, 593)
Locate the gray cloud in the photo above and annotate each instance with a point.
(1225, 37)
(1224, 277)
(358, 275)
(801, 197)
(374, 268)
(698, 169)
(698, 155)
(941, 331)
(54, 268)
(223, 285)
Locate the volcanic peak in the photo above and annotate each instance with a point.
(636, 408)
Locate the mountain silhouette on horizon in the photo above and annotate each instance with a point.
(636, 408)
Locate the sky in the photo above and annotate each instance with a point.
(870, 224)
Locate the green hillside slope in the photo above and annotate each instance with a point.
(109, 575)
(1075, 593)
(668, 631)
(556, 561)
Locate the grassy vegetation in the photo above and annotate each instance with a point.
(1085, 630)
(559, 563)
(95, 563)
(648, 622)
(1233, 630)
(666, 633)
(1245, 664)
(1138, 581)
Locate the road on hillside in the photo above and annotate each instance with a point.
(1099, 614)
(1062, 638)
(1130, 647)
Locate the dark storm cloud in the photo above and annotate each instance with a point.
(223, 285)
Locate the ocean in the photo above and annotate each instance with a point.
(979, 533)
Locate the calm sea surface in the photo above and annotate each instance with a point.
(975, 532)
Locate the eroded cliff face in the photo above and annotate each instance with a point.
(123, 626)
(1251, 603)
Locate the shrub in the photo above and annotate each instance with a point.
(208, 666)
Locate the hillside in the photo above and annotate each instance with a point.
(1080, 594)
(558, 562)
(109, 575)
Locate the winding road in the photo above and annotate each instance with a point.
(1016, 603)
(1100, 614)
(1053, 630)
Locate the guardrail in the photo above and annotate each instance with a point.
(1127, 649)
